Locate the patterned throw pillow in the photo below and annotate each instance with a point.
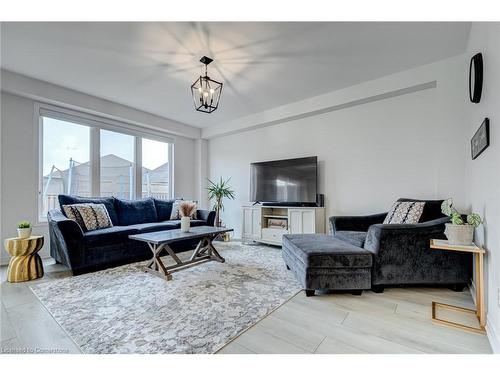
(187, 208)
(405, 213)
(71, 212)
(94, 216)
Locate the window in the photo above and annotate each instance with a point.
(117, 165)
(155, 169)
(87, 155)
(65, 166)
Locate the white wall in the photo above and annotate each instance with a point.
(19, 173)
(483, 174)
(369, 154)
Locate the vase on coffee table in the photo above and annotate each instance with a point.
(185, 223)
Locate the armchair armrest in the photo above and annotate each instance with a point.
(396, 234)
(355, 223)
(65, 237)
(206, 215)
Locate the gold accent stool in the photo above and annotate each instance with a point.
(479, 268)
(25, 263)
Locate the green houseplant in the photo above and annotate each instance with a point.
(459, 232)
(24, 229)
(217, 191)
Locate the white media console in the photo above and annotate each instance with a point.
(258, 222)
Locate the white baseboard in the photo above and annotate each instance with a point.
(493, 336)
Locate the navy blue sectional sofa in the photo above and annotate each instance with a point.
(90, 251)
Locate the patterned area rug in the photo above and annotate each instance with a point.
(126, 310)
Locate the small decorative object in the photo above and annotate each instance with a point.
(185, 223)
(218, 191)
(476, 78)
(481, 140)
(206, 92)
(24, 229)
(277, 223)
(459, 232)
(187, 210)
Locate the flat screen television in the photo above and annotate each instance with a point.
(290, 181)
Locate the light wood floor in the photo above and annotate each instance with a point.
(397, 321)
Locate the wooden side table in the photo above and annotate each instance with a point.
(479, 265)
(25, 263)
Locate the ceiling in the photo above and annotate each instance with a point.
(150, 66)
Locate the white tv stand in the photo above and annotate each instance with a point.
(296, 220)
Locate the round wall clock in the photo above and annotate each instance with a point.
(476, 78)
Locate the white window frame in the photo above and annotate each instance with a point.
(96, 124)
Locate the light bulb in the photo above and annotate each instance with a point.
(205, 93)
(212, 91)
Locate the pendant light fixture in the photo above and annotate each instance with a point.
(206, 92)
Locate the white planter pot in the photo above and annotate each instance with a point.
(459, 234)
(185, 223)
(23, 232)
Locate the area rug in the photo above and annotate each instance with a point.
(126, 310)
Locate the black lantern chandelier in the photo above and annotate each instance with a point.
(206, 92)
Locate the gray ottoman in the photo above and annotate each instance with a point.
(320, 261)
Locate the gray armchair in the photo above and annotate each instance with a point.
(401, 252)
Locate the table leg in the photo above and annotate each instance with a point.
(478, 311)
(205, 251)
(156, 265)
(480, 289)
(213, 253)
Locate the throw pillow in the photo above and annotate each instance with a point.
(109, 202)
(187, 208)
(175, 215)
(94, 216)
(136, 211)
(404, 213)
(164, 208)
(71, 212)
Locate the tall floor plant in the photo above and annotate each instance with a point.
(217, 191)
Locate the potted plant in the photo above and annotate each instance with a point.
(458, 231)
(217, 191)
(24, 229)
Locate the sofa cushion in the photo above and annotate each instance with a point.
(325, 251)
(432, 209)
(109, 202)
(135, 211)
(353, 237)
(111, 235)
(163, 208)
(154, 227)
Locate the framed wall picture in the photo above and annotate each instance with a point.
(481, 139)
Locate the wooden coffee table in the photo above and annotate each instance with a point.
(159, 241)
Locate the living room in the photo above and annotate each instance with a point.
(215, 188)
